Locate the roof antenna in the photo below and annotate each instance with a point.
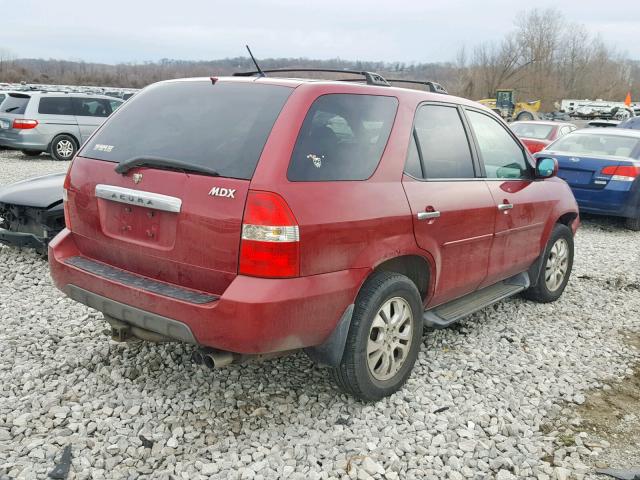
(255, 62)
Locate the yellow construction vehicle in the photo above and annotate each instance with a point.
(505, 105)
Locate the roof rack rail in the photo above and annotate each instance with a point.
(370, 77)
(433, 86)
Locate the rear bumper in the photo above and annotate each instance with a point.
(253, 315)
(24, 140)
(620, 199)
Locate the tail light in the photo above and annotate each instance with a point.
(270, 245)
(622, 173)
(23, 124)
(65, 201)
(535, 147)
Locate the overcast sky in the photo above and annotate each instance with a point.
(403, 30)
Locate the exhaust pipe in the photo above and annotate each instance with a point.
(214, 359)
(196, 357)
(217, 358)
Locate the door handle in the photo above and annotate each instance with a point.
(428, 215)
(505, 206)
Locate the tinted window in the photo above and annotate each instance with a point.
(589, 144)
(443, 143)
(15, 103)
(114, 105)
(222, 126)
(532, 130)
(55, 106)
(92, 107)
(2, 97)
(503, 157)
(413, 166)
(342, 137)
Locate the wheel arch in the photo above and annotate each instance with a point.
(415, 267)
(72, 135)
(567, 219)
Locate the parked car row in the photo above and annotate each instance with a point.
(255, 217)
(53, 122)
(602, 166)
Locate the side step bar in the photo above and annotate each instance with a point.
(444, 315)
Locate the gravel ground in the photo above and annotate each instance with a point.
(14, 166)
(489, 398)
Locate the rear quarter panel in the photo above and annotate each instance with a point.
(343, 224)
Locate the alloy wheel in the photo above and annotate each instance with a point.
(64, 148)
(390, 338)
(557, 265)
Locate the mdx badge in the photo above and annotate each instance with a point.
(222, 192)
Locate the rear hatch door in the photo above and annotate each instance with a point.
(160, 189)
(13, 106)
(585, 171)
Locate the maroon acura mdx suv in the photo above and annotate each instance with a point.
(253, 216)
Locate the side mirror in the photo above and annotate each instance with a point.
(546, 167)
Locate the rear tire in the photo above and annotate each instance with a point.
(384, 338)
(31, 153)
(556, 268)
(633, 224)
(63, 147)
(524, 117)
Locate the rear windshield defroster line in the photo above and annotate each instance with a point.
(219, 128)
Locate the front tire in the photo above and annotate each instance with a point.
(384, 338)
(63, 147)
(556, 267)
(633, 224)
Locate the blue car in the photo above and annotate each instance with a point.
(633, 122)
(602, 167)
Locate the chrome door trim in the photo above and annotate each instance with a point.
(129, 196)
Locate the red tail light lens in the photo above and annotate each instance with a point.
(535, 147)
(270, 245)
(623, 173)
(65, 202)
(23, 124)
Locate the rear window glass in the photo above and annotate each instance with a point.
(604, 145)
(222, 126)
(532, 130)
(342, 137)
(15, 103)
(55, 106)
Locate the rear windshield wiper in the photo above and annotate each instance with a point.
(167, 163)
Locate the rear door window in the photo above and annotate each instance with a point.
(115, 104)
(342, 137)
(413, 166)
(15, 103)
(443, 143)
(92, 107)
(222, 126)
(502, 155)
(55, 106)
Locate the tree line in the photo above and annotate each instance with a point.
(543, 57)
